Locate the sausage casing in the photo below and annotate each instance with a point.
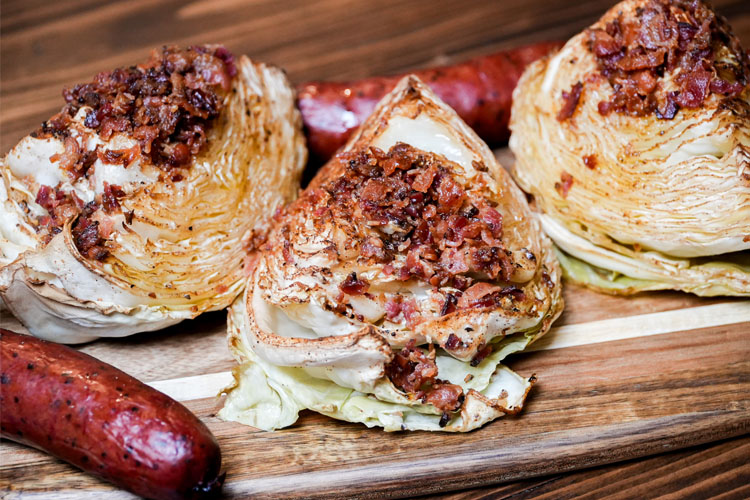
(104, 421)
(480, 90)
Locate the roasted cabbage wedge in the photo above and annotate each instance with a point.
(392, 289)
(635, 141)
(133, 208)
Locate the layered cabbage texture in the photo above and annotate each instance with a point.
(634, 140)
(133, 208)
(390, 292)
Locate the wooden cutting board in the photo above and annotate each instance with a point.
(619, 378)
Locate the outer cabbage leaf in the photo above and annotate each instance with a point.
(629, 271)
(279, 393)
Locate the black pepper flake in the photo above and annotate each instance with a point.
(30, 366)
(444, 419)
(449, 305)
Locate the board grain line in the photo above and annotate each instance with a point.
(593, 332)
(556, 451)
(642, 325)
(687, 473)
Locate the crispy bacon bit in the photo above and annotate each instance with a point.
(92, 228)
(353, 285)
(106, 224)
(482, 353)
(478, 295)
(449, 305)
(590, 161)
(393, 308)
(411, 313)
(483, 295)
(570, 102)
(566, 182)
(450, 194)
(453, 342)
(444, 396)
(411, 368)
(423, 179)
(373, 248)
(415, 373)
(668, 37)
(120, 156)
(70, 156)
(60, 207)
(167, 104)
(86, 236)
(287, 252)
(110, 198)
(409, 203)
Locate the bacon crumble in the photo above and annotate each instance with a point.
(89, 234)
(410, 203)
(590, 161)
(415, 373)
(167, 104)
(353, 285)
(685, 39)
(482, 353)
(570, 102)
(566, 182)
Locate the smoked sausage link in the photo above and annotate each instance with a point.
(104, 421)
(480, 90)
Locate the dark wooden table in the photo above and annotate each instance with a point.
(46, 45)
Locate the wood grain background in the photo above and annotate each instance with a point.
(47, 45)
(595, 404)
